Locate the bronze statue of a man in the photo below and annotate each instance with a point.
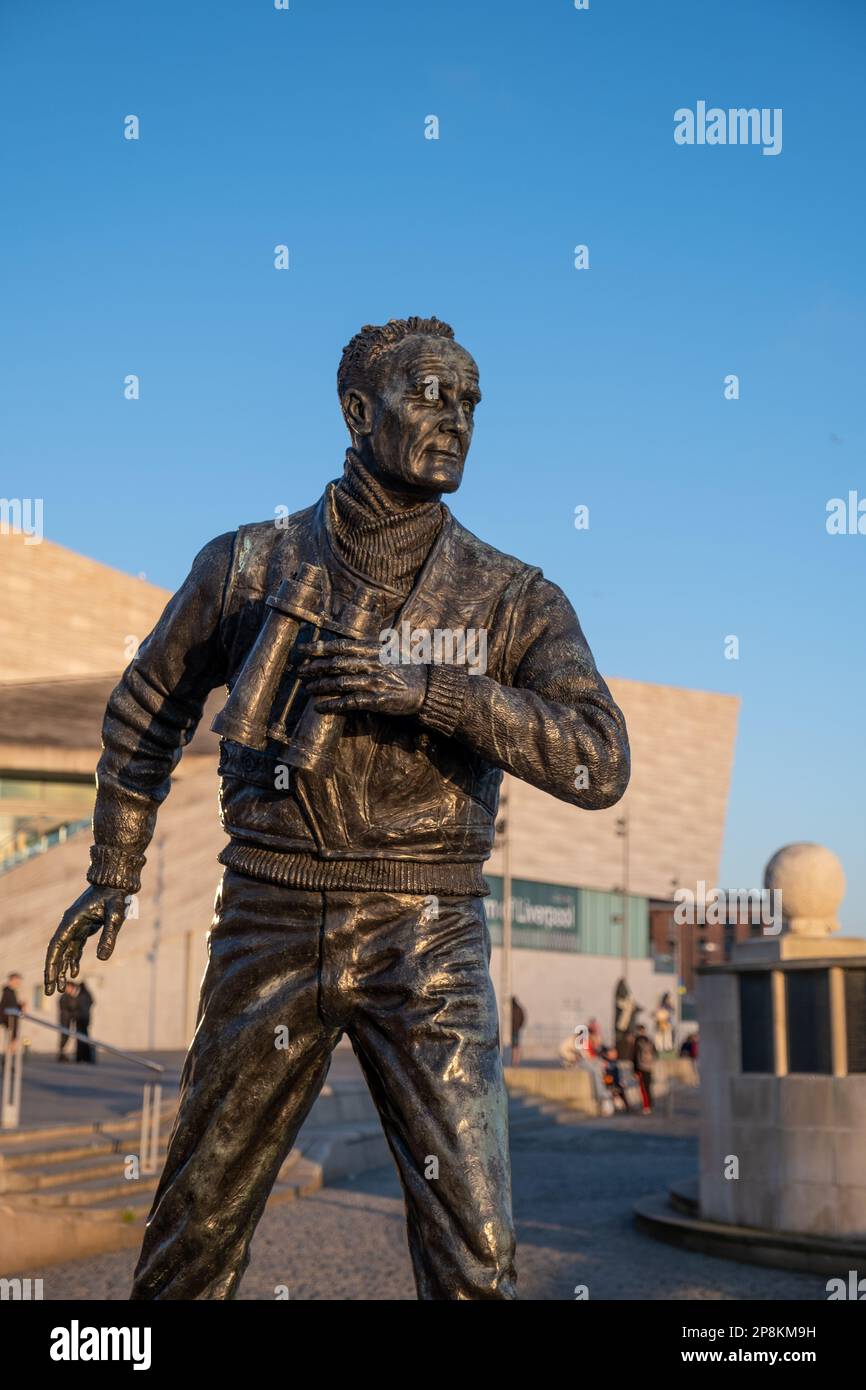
(359, 793)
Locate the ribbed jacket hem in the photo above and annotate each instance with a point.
(301, 870)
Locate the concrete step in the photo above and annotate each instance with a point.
(54, 1176)
(88, 1192)
(125, 1209)
(69, 1152)
(306, 1177)
(14, 1141)
(76, 1146)
(72, 1206)
(534, 1112)
(130, 1207)
(341, 1151)
(38, 1177)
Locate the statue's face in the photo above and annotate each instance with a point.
(418, 427)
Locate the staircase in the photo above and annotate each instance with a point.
(65, 1193)
(79, 1165)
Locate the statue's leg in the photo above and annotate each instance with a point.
(425, 1029)
(260, 1054)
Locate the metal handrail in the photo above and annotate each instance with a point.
(151, 1099)
(82, 1037)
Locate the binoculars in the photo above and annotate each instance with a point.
(259, 705)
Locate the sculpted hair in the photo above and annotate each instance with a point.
(360, 356)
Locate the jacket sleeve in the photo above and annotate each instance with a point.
(554, 723)
(153, 713)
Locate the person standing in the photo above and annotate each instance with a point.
(518, 1020)
(84, 1051)
(689, 1050)
(644, 1060)
(66, 1013)
(10, 1000)
(664, 1038)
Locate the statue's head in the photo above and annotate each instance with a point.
(408, 393)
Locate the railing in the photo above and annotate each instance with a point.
(13, 1068)
(13, 858)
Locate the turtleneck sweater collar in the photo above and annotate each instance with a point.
(387, 543)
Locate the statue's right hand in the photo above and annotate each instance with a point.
(97, 909)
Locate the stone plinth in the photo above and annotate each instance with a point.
(783, 1066)
(798, 1139)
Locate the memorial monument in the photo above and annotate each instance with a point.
(359, 791)
(783, 1087)
(783, 1064)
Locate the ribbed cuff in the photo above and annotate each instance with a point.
(115, 868)
(443, 703)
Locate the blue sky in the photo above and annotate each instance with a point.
(602, 387)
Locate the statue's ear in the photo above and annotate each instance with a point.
(358, 412)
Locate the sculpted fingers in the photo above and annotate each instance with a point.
(72, 959)
(335, 684)
(349, 704)
(57, 948)
(338, 647)
(70, 954)
(338, 665)
(114, 915)
(52, 960)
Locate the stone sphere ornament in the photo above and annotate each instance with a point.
(811, 883)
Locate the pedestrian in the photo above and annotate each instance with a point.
(587, 1058)
(84, 1051)
(612, 1077)
(690, 1050)
(644, 1060)
(518, 1019)
(9, 1000)
(66, 1012)
(664, 1034)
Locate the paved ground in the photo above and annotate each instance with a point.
(574, 1185)
(58, 1093)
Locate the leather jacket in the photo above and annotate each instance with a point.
(411, 802)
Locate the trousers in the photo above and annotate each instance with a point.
(289, 971)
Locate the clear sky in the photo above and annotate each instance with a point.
(602, 387)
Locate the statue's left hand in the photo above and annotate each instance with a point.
(343, 675)
(96, 910)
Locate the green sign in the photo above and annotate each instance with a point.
(551, 917)
(543, 915)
